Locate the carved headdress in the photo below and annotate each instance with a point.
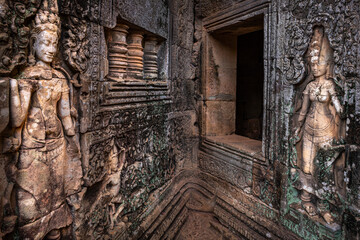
(320, 51)
(47, 17)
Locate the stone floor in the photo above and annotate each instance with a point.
(202, 226)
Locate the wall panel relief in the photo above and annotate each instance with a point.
(100, 120)
(42, 149)
(311, 146)
(85, 151)
(319, 131)
(321, 61)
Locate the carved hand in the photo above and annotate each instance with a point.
(296, 134)
(342, 113)
(20, 100)
(296, 131)
(11, 172)
(30, 85)
(70, 132)
(73, 146)
(68, 126)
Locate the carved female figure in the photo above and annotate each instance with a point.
(317, 117)
(40, 110)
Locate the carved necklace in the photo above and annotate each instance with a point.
(317, 90)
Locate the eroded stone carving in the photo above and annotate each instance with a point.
(44, 142)
(76, 44)
(14, 32)
(318, 130)
(4, 103)
(117, 161)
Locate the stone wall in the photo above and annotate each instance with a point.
(269, 176)
(134, 134)
(146, 156)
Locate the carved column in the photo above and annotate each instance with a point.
(118, 52)
(150, 58)
(135, 57)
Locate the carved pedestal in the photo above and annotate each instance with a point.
(150, 58)
(135, 58)
(118, 52)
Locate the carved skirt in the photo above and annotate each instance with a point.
(40, 189)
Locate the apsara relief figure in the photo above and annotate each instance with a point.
(318, 127)
(40, 113)
(117, 162)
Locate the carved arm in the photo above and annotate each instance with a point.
(64, 113)
(20, 100)
(304, 108)
(339, 109)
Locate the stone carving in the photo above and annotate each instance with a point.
(339, 19)
(117, 161)
(150, 58)
(44, 143)
(318, 131)
(118, 52)
(4, 103)
(135, 58)
(15, 32)
(76, 44)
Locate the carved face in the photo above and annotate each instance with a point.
(319, 68)
(45, 46)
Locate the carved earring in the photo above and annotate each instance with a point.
(31, 58)
(329, 71)
(327, 76)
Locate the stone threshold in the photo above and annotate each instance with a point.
(237, 143)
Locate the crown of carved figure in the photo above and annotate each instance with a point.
(319, 47)
(320, 51)
(45, 20)
(47, 17)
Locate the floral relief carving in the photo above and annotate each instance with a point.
(76, 44)
(15, 33)
(336, 18)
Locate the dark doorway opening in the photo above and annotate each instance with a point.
(250, 85)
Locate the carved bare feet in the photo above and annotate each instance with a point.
(309, 208)
(54, 235)
(328, 217)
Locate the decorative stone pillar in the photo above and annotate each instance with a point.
(135, 57)
(150, 58)
(118, 52)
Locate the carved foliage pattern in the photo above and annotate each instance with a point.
(15, 32)
(143, 136)
(341, 21)
(76, 43)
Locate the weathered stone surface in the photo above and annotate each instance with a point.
(4, 104)
(149, 166)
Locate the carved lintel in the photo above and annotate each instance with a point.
(135, 57)
(118, 52)
(150, 58)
